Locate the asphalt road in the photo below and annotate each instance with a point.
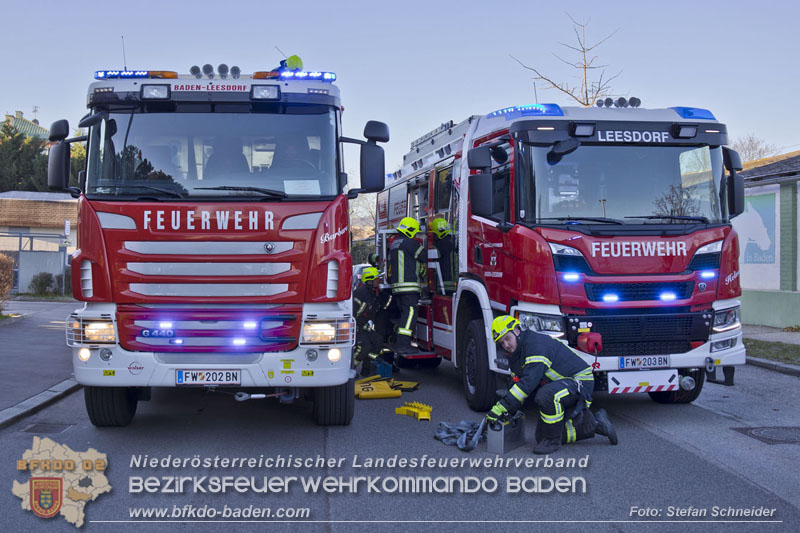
(677, 456)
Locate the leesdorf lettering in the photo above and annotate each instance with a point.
(638, 249)
(632, 136)
(208, 220)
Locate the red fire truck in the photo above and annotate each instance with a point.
(612, 219)
(213, 244)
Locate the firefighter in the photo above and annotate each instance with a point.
(561, 382)
(448, 260)
(365, 306)
(406, 258)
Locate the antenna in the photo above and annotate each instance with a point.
(281, 52)
(124, 61)
(35, 110)
(535, 94)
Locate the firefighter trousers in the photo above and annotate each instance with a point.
(407, 303)
(563, 409)
(368, 345)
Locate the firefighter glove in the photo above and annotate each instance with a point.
(498, 413)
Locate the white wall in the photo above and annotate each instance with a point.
(759, 238)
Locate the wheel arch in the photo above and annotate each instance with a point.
(472, 302)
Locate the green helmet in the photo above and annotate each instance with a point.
(369, 274)
(440, 228)
(408, 227)
(502, 325)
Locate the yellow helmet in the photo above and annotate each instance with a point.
(294, 63)
(502, 325)
(408, 227)
(369, 274)
(440, 228)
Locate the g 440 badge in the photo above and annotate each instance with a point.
(158, 333)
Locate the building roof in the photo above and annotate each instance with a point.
(27, 127)
(780, 167)
(38, 196)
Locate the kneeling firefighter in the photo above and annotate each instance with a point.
(561, 381)
(365, 308)
(406, 260)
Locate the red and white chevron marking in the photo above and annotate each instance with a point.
(650, 388)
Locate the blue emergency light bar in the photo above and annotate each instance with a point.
(302, 75)
(541, 110)
(120, 74)
(694, 113)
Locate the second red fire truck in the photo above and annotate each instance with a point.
(612, 219)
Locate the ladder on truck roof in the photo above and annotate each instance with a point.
(440, 143)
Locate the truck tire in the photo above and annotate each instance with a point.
(334, 406)
(478, 381)
(680, 395)
(110, 406)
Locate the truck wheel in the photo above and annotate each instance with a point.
(334, 406)
(680, 395)
(478, 380)
(110, 406)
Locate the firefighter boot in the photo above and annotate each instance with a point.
(551, 438)
(604, 426)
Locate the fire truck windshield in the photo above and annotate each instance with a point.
(214, 154)
(637, 184)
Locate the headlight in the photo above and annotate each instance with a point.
(334, 332)
(560, 249)
(711, 248)
(99, 332)
(547, 324)
(726, 319)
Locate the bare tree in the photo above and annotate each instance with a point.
(588, 90)
(676, 202)
(751, 148)
(362, 216)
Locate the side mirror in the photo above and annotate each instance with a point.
(59, 130)
(373, 168)
(376, 131)
(562, 148)
(479, 158)
(735, 182)
(58, 165)
(480, 193)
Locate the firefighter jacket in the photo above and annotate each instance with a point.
(365, 304)
(406, 259)
(448, 261)
(541, 359)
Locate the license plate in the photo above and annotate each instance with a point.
(208, 377)
(644, 361)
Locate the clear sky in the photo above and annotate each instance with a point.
(417, 64)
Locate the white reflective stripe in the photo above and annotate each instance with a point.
(115, 221)
(206, 247)
(440, 338)
(198, 341)
(209, 289)
(518, 393)
(443, 326)
(306, 221)
(208, 269)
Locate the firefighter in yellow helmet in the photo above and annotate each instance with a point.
(446, 248)
(365, 307)
(560, 380)
(406, 258)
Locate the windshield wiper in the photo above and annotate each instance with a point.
(704, 220)
(603, 220)
(269, 192)
(176, 194)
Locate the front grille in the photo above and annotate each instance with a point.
(705, 261)
(646, 334)
(627, 292)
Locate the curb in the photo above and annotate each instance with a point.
(13, 319)
(783, 368)
(37, 403)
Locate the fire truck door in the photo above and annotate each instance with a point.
(443, 259)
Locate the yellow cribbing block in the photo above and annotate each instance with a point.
(368, 379)
(420, 411)
(406, 386)
(376, 390)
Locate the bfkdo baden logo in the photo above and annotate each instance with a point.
(62, 481)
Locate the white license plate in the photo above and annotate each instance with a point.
(644, 361)
(208, 377)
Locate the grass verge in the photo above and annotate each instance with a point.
(774, 351)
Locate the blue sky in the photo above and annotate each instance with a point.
(416, 64)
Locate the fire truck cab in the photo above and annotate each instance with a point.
(214, 248)
(609, 220)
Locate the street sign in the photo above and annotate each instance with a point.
(66, 228)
